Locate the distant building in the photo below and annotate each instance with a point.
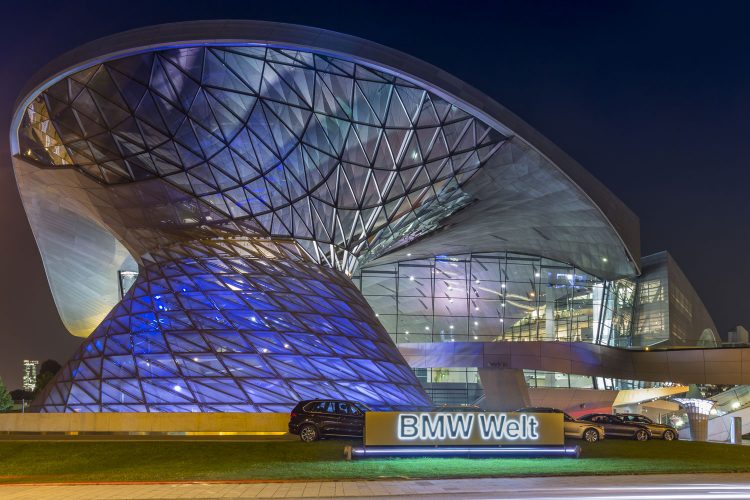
(30, 369)
(738, 337)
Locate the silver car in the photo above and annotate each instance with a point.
(574, 429)
(658, 431)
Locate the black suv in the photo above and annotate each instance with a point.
(321, 418)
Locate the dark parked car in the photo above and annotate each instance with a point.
(575, 429)
(321, 418)
(658, 431)
(614, 426)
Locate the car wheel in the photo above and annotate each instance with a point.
(590, 435)
(641, 435)
(309, 433)
(668, 435)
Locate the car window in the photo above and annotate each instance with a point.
(600, 419)
(346, 409)
(636, 419)
(315, 406)
(322, 407)
(567, 417)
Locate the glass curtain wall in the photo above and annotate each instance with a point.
(497, 296)
(462, 385)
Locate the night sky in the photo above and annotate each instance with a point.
(652, 98)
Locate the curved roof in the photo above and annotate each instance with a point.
(353, 149)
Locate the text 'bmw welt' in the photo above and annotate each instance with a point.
(459, 426)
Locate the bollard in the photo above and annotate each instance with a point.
(736, 435)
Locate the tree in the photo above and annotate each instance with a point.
(6, 400)
(47, 371)
(21, 395)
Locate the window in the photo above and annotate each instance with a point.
(651, 291)
(346, 409)
(681, 301)
(322, 407)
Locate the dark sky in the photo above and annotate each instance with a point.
(653, 98)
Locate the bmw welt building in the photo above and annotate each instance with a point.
(240, 215)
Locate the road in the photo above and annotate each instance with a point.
(685, 486)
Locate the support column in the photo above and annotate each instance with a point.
(549, 317)
(736, 435)
(698, 411)
(505, 389)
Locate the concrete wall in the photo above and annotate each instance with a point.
(244, 423)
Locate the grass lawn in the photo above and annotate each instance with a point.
(91, 461)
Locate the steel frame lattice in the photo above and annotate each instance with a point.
(241, 326)
(343, 157)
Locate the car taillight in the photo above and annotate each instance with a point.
(292, 415)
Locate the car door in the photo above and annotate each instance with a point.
(327, 418)
(571, 427)
(611, 429)
(657, 430)
(620, 428)
(351, 418)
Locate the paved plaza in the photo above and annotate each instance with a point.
(687, 486)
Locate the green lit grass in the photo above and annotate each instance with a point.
(72, 461)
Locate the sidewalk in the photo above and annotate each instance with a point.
(652, 486)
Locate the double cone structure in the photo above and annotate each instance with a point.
(235, 326)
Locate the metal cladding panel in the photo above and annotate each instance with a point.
(684, 366)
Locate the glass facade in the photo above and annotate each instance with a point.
(505, 296)
(652, 314)
(462, 385)
(497, 296)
